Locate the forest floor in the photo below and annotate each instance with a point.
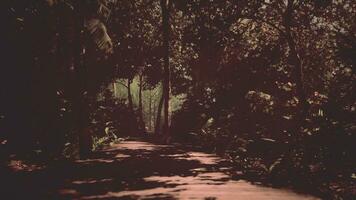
(136, 169)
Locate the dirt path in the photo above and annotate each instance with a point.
(141, 170)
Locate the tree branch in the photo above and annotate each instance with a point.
(266, 22)
(122, 84)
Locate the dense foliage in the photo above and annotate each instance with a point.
(269, 84)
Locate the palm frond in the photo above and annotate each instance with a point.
(105, 7)
(104, 11)
(99, 34)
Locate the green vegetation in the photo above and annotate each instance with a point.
(268, 84)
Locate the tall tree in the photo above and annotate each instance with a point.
(165, 6)
(92, 23)
(140, 107)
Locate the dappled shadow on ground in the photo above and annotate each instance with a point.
(141, 170)
(133, 170)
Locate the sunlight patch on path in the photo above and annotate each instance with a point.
(87, 161)
(204, 158)
(205, 182)
(136, 145)
(212, 185)
(207, 185)
(89, 181)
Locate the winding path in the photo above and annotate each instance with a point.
(142, 170)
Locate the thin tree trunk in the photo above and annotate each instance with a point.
(114, 88)
(158, 119)
(299, 80)
(140, 109)
(154, 114)
(166, 79)
(132, 119)
(150, 112)
(129, 96)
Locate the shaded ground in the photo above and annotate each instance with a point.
(139, 170)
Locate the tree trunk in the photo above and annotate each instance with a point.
(132, 119)
(114, 88)
(129, 96)
(298, 68)
(154, 114)
(140, 109)
(166, 79)
(299, 80)
(85, 141)
(158, 119)
(150, 112)
(80, 100)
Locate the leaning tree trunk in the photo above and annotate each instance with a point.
(166, 79)
(158, 119)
